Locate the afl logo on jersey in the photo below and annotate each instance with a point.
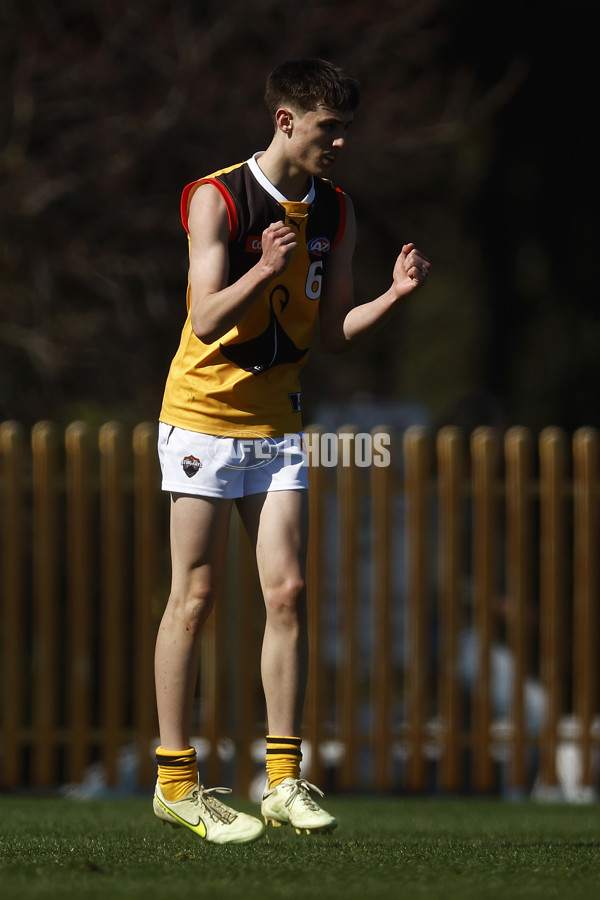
(319, 246)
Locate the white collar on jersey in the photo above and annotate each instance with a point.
(269, 187)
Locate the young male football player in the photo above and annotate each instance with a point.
(270, 249)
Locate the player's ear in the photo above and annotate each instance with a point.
(284, 119)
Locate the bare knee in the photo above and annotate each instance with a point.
(190, 610)
(286, 602)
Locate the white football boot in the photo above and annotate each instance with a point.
(207, 817)
(291, 804)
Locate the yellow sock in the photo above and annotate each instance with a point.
(283, 758)
(177, 772)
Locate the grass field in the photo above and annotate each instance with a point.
(384, 847)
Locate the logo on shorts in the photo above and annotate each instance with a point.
(191, 465)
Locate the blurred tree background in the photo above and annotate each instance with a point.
(473, 139)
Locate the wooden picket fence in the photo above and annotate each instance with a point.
(481, 541)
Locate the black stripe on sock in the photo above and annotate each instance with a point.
(176, 762)
(288, 751)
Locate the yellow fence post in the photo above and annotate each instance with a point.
(485, 455)
(114, 595)
(450, 453)
(417, 462)
(12, 588)
(348, 523)
(45, 622)
(553, 597)
(382, 659)
(80, 591)
(317, 696)
(519, 601)
(146, 561)
(585, 609)
(250, 709)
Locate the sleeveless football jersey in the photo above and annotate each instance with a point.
(248, 380)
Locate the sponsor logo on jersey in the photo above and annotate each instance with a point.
(318, 246)
(254, 243)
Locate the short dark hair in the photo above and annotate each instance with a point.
(306, 83)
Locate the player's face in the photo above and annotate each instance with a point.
(318, 137)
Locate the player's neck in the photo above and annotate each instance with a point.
(291, 181)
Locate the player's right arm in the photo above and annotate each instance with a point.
(217, 306)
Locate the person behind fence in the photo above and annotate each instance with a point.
(270, 247)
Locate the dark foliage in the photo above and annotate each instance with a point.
(470, 140)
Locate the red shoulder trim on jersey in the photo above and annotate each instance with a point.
(342, 222)
(231, 210)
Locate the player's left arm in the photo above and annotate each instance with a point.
(341, 321)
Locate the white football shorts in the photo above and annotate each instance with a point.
(230, 467)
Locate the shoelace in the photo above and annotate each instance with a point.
(216, 810)
(301, 789)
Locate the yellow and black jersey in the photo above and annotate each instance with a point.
(248, 380)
